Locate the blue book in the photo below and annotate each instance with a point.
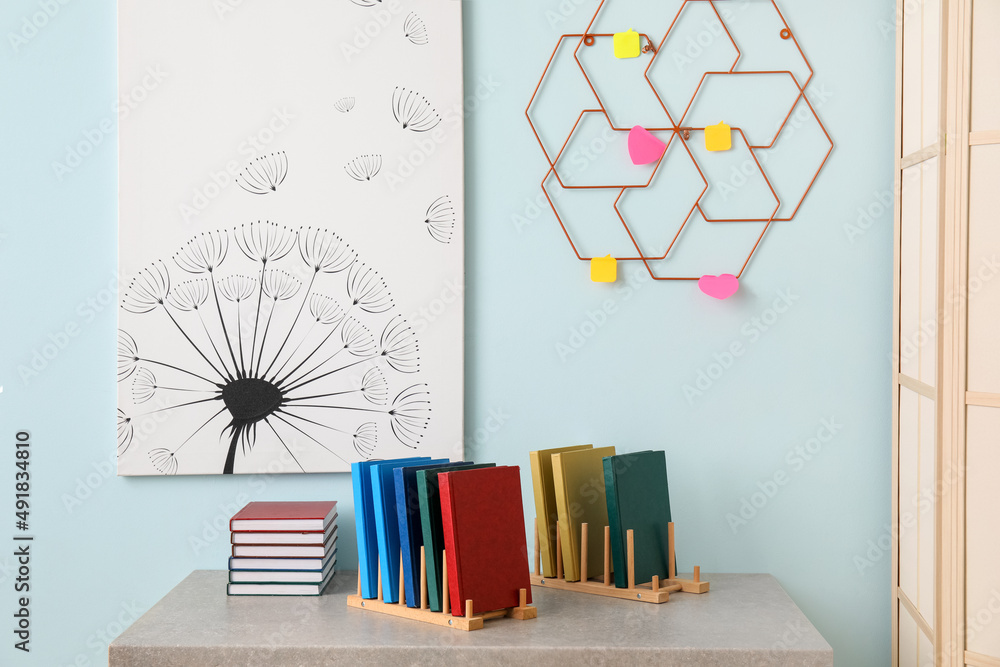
(386, 523)
(364, 517)
(408, 515)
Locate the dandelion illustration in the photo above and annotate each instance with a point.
(364, 167)
(415, 30)
(412, 111)
(344, 104)
(367, 290)
(125, 432)
(365, 439)
(164, 460)
(399, 346)
(440, 219)
(264, 174)
(272, 344)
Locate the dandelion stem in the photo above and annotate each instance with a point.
(297, 347)
(199, 428)
(294, 322)
(282, 441)
(256, 320)
(317, 349)
(308, 436)
(218, 309)
(160, 363)
(197, 349)
(320, 377)
(326, 426)
(182, 405)
(263, 338)
(335, 393)
(212, 341)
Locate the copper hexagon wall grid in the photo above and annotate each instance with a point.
(681, 132)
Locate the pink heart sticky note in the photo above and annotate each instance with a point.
(643, 147)
(719, 287)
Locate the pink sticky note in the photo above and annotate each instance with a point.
(643, 147)
(719, 287)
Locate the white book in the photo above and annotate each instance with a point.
(279, 589)
(281, 576)
(284, 551)
(285, 538)
(281, 564)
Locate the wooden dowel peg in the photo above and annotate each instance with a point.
(402, 586)
(522, 600)
(423, 578)
(607, 555)
(378, 572)
(538, 554)
(672, 566)
(468, 608)
(445, 593)
(656, 582)
(559, 562)
(359, 581)
(583, 552)
(631, 558)
(697, 573)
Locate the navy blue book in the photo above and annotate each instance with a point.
(387, 523)
(410, 533)
(364, 517)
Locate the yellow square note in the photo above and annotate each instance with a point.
(718, 137)
(604, 269)
(627, 44)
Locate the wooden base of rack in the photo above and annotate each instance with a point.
(656, 591)
(470, 621)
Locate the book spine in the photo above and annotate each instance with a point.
(542, 516)
(614, 524)
(405, 545)
(570, 553)
(452, 560)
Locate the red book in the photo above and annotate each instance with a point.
(483, 520)
(277, 517)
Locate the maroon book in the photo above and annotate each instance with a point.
(485, 547)
(284, 516)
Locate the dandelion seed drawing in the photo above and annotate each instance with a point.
(364, 167)
(415, 30)
(440, 219)
(412, 111)
(344, 104)
(264, 174)
(269, 340)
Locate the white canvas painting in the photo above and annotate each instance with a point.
(290, 234)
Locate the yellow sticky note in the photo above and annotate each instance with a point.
(604, 269)
(627, 44)
(718, 137)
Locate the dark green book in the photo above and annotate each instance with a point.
(636, 489)
(430, 522)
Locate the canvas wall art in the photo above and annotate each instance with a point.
(290, 234)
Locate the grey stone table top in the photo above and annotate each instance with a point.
(746, 619)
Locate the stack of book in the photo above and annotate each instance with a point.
(283, 548)
(471, 512)
(584, 484)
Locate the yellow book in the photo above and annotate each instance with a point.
(578, 477)
(545, 504)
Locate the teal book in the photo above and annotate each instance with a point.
(430, 521)
(638, 499)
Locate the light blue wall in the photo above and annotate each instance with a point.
(113, 554)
